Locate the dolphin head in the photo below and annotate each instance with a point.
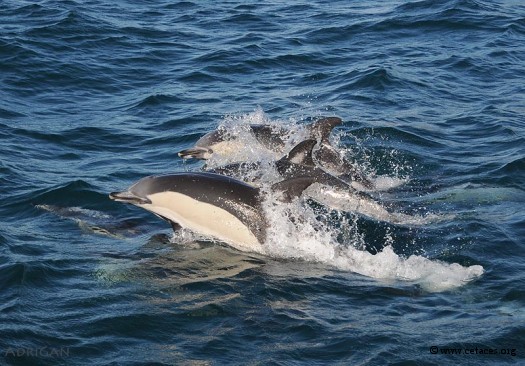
(128, 197)
(203, 148)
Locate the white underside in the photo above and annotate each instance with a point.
(236, 150)
(203, 218)
(229, 147)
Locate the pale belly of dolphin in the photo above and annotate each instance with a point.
(229, 147)
(204, 218)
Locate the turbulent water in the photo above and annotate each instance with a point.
(96, 95)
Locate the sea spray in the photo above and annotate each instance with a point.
(315, 241)
(296, 232)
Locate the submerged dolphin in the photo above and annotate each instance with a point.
(210, 204)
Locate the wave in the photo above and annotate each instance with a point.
(155, 100)
(452, 15)
(6, 113)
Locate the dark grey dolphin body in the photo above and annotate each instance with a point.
(209, 204)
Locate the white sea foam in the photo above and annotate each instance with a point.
(308, 240)
(296, 233)
(385, 183)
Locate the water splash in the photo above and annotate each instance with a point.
(313, 241)
(296, 232)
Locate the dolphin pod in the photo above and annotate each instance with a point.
(222, 142)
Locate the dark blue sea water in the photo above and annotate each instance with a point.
(97, 94)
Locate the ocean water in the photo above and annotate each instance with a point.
(95, 95)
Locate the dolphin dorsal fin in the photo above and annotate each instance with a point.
(301, 154)
(292, 188)
(322, 128)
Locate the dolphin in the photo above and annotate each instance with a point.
(214, 205)
(335, 193)
(271, 137)
(299, 163)
(222, 142)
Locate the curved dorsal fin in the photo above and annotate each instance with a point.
(301, 154)
(292, 188)
(322, 128)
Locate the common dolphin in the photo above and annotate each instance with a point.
(333, 192)
(271, 137)
(221, 141)
(299, 163)
(210, 204)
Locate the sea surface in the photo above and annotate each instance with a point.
(95, 95)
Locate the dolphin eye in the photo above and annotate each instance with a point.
(210, 151)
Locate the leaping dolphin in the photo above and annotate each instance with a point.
(210, 204)
(271, 137)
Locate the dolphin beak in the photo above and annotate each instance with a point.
(128, 197)
(196, 153)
